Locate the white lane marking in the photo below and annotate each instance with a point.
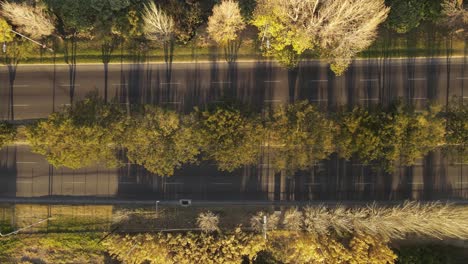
(369, 99)
(416, 183)
(220, 82)
(416, 79)
(74, 182)
(318, 100)
(26, 162)
(119, 84)
(462, 78)
(369, 80)
(21, 85)
(20, 105)
(272, 100)
(419, 98)
(127, 183)
(313, 183)
(170, 102)
(174, 183)
(68, 85)
(65, 104)
(363, 183)
(272, 81)
(318, 80)
(24, 181)
(169, 83)
(222, 183)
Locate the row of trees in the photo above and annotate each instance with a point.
(296, 135)
(335, 30)
(283, 247)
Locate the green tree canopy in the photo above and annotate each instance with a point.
(388, 135)
(7, 133)
(85, 134)
(406, 15)
(161, 141)
(232, 138)
(299, 134)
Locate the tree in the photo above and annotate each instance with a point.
(5, 31)
(345, 28)
(337, 29)
(398, 134)
(29, 20)
(159, 26)
(161, 141)
(186, 248)
(406, 15)
(225, 25)
(85, 134)
(7, 134)
(75, 19)
(298, 247)
(231, 138)
(457, 128)
(455, 15)
(298, 135)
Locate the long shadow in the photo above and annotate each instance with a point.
(70, 49)
(8, 171)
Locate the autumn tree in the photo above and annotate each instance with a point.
(161, 141)
(224, 27)
(231, 137)
(159, 26)
(85, 134)
(386, 136)
(30, 20)
(185, 248)
(337, 29)
(298, 247)
(7, 35)
(298, 135)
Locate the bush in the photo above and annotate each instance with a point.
(208, 222)
(7, 133)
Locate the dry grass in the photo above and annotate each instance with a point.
(29, 20)
(208, 222)
(256, 222)
(433, 220)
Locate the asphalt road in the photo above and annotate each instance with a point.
(435, 177)
(39, 89)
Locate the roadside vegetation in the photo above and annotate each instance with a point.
(310, 234)
(170, 30)
(92, 132)
(7, 133)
